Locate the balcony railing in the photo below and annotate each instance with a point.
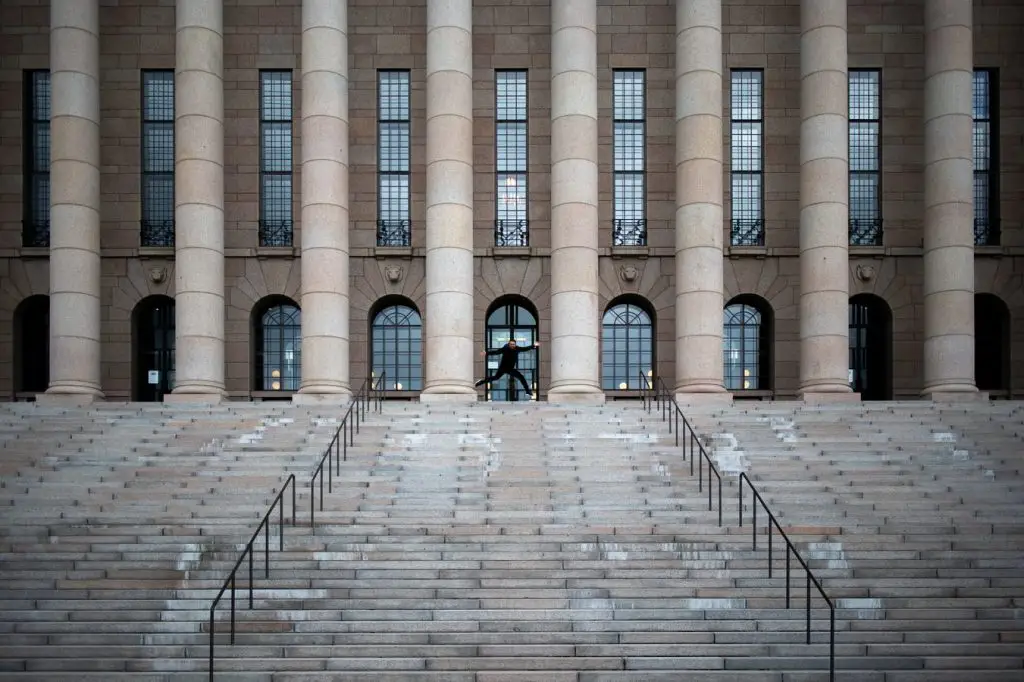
(394, 233)
(747, 232)
(35, 234)
(865, 231)
(986, 233)
(275, 233)
(157, 233)
(631, 232)
(511, 232)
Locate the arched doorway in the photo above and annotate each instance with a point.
(871, 347)
(512, 318)
(32, 345)
(153, 339)
(277, 333)
(396, 345)
(991, 343)
(746, 344)
(627, 345)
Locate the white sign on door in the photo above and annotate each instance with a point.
(154, 377)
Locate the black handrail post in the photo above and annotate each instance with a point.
(330, 474)
(280, 519)
(321, 472)
(250, 579)
(769, 548)
(294, 485)
(808, 605)
(232, 609)
(719, 500)
(693, 455)
(211, 640)
(739, 506)
(787, 575)
(266, 547)
(832, 644)
(753, 509)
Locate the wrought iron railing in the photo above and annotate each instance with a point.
(629, 232)
(35, 234)
(511, 232)
(275, 233)
(865, 231)
(264, 526)
(394, 233)
(986, 233)
(747, 232)
(655, 393)
(371, 391)
(157, 233)
(791, 550)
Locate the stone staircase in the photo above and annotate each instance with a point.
(514, 543)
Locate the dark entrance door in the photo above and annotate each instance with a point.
(507, 321)
(870, 354)
(154, 348)
(32, 345)
(991, 343)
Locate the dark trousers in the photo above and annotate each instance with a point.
(515, 373)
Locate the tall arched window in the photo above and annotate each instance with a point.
(32, 345)
(278, 335)
(396, 339)
(746, 344)
(511, 318)
(627, 347)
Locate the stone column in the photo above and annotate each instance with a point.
(948, 201)
(824, 202)
(325, 273)
(699, 213)
(74, 203)
(449, 277)
(199, 202)
(575, 326)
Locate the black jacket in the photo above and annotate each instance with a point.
(509, 356)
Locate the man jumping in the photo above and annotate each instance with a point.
(509, 358)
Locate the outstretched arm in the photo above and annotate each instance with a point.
(535, 346)
(495, 351)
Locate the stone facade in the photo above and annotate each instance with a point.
(142, 34)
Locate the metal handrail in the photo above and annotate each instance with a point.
(790, 549)
(248, 551)
(344, 436)
(654, 392)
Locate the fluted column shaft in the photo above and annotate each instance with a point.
(948, 199)
(699, 213)
(199, 200)
(449, 266)
(325, 201)
(74, 201)
(824, 199)
(575, 343)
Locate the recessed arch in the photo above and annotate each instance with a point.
(153, 344)
(511, 316)
(991, 343)
(627, 343)
(396, 344)
(32, 345)
(277, 345)
(747, 343)
(870, 336)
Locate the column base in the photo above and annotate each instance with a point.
(68, 396)
(576, 395)
(826, 397)
(941, 396)
(684, 397)
(195, 398)
(313, 396)
(449, 393)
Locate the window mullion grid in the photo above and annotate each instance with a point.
(629, 140)
(393, 149)
(276, 158)
(986, 229)
(511, 146)
(865, 157)
(157, 151)
(747, 158)
(36, 225)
